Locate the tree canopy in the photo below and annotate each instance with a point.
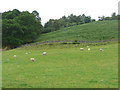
(19, 28)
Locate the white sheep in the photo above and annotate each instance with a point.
(89, 49)
(87, 46)
(81, 49)
(26, 53)
(44, 53)
(101, 49)
(14, 56)
(32, 59)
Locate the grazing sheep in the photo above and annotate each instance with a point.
(14, 56)
(81, 49)
(26, 53)
(101, 49)
(32, 59)
(87, 46)
(44, 53)
(89, 49)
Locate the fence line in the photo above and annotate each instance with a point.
(71, 41)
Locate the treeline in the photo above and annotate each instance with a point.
(20, 27)
(71, 20)
(114, 16)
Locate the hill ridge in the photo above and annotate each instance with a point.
(95, 31)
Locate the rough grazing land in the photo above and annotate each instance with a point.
(95, 31)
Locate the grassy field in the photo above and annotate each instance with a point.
(99, 30)
(64, 66)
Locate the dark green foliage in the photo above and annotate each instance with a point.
(10, 14)
(87, 19)
(19, 28)
(52, 25)
(93, 20)
(36, 14)
(12, 33)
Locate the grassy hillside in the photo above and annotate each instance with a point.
(99, 30)
(64, 66)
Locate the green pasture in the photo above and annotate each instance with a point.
(99, 30)
(64, 66)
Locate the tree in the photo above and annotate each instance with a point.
(114, 16)
(87, 19)
(101, 18)
(83, 18)
(52, 25)
(30, 26)
(92, 20)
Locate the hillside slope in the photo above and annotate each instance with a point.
(99, 30)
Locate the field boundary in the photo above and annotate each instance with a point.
(72, 41)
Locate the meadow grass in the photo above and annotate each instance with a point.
(99, 30)
(64, 66)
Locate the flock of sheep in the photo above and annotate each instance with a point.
(88, 48)
(45, 53)
(31, 59)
